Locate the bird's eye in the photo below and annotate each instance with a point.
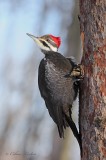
(45, 44)
(47, 40)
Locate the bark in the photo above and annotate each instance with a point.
(93, 87)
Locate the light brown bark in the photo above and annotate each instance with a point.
(93, 87)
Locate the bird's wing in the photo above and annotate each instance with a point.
(55, 109)
(56, 113)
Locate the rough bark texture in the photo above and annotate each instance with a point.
(93, 88)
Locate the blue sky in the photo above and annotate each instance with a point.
(37, 17)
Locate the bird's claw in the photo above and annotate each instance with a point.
(77, 72)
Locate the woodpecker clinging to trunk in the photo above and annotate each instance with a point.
(58, 83)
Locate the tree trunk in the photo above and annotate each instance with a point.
(93, 87)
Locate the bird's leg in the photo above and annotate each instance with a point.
(77, 72)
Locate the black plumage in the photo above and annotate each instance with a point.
(58, 81)
(58, 90)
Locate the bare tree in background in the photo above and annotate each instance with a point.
(93, 88)
(23, 120)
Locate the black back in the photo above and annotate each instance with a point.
(57, 90)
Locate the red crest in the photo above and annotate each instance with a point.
(57, 40)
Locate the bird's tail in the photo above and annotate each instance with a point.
(74, 130)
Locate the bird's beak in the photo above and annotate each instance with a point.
(36, 39)
(32, 36)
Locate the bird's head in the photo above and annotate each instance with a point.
(47, 42)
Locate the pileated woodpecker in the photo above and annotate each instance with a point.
(58, 83)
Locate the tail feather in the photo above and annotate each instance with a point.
(74, 130)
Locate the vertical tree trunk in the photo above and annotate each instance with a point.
(93, 88)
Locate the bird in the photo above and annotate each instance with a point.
(58, 81)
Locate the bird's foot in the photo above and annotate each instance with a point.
(78, 72)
